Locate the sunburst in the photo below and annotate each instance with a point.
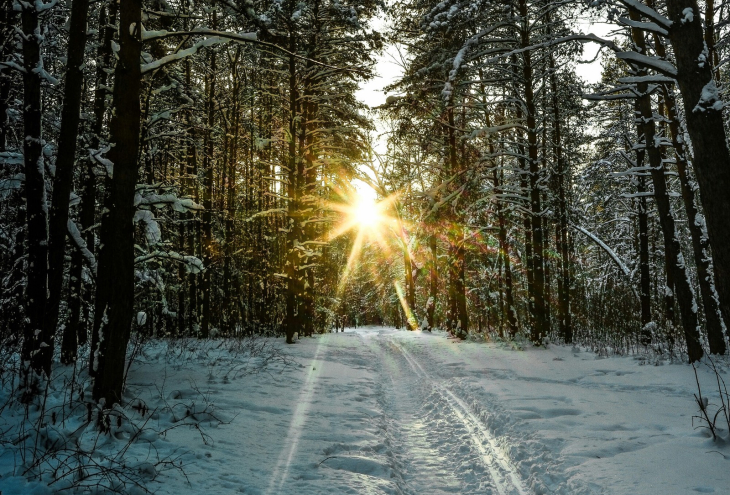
(370, 219)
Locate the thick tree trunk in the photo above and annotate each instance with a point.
(116, 257)
(107, 28)
(675, 261)
(710, 37)
(703, 113)
(700, 242)
(7, 24)
(38, 342)
(540, 327)
(696, 222)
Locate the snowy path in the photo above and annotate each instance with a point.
(449, 449)
(380, 411)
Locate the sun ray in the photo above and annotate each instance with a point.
(371, 220)
(410, 317)
(354, 253)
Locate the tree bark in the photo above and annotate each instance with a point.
(675, 261)
(208, 199)
(458, 317)
(293, 290)
(63, 181)
(107, 28)
(540, 328)
(644, 273)
(700, 242)
(565, 325)
(115, 305)
(695, 221)
(38, 342)
(510, 313)
(703, 113)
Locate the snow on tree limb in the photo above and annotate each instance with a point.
(75, 235)
(610, 252)
(174, 57)
(648, 12)
(223, 36)
(644, 26)
(653, 78)
(658, 64)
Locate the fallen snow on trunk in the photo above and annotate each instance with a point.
(375, 410)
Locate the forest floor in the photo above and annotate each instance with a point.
(376, 410)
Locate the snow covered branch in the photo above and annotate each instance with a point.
(611, 253)
(75, 235)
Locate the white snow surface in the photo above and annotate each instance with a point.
(376, 410)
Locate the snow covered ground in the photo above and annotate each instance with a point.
(375, 410)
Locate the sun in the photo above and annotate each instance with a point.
(366, 213)
(369, 220)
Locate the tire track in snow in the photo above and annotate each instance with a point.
(411, 454)
(502, 471)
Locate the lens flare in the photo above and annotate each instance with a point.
(370, 220)
(367, 213)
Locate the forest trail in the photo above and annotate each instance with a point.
(376, 410)
(447, 447)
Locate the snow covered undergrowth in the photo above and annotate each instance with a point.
(375, 410)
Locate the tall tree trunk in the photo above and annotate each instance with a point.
(291, 325)
(710, 37)
(696, 222)
(644, 273)
(7, 24)
(107, 29)
(115, 304)
(508, 310)
(230, 210)
(703, 113)
(63, 181)
(510, 313)
(208, 163)
(565, 325)
(524, 173)
(38, 342)
(700, 242)
(193, 223)
(459, 322)
(540, 328)
(308, 175)
(675, 261)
